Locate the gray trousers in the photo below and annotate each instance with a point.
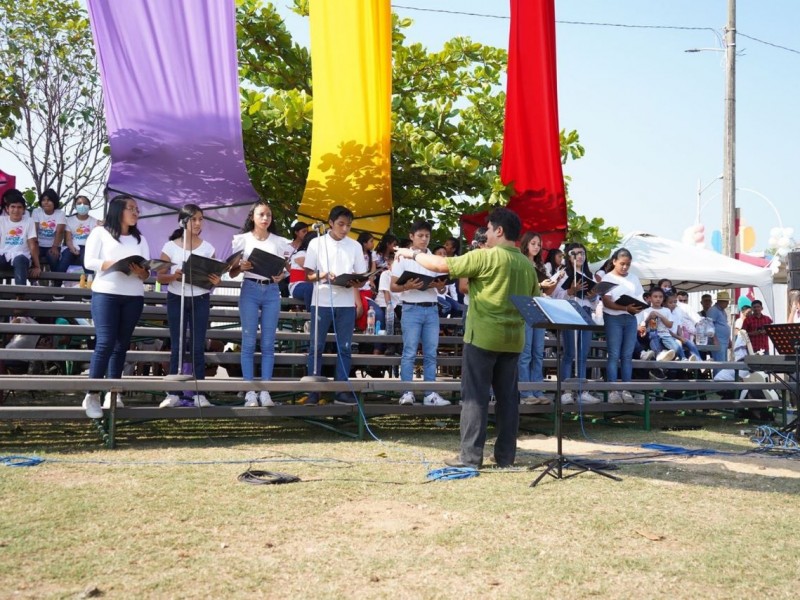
(481, 372)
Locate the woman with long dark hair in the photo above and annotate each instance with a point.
(575, 288)
(531, 358)
(196, 300)
(620, 322)
(117, 298)
(259, 300)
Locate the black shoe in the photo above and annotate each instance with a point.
(658, 374)
(345, 398)
(458, 464)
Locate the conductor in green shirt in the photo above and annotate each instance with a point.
(493, 338)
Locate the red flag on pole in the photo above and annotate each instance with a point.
(531, 146)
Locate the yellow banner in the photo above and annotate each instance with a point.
(351, 64)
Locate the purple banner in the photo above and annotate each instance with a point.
(171, 89)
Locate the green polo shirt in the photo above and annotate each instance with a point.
(495, 274)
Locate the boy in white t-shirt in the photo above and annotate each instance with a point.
(19, 247)
(420, 318)
(327, 257)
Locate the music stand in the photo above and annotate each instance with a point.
(558, 315)
(786, 340)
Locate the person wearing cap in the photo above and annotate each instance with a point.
(722, 328)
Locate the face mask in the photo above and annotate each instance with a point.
(82, 209)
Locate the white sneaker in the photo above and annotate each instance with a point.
(587, 398)
(107, 401)
(201, 401)
(627, 397)
(91, 404)
(693, 358)
(265, 399)
(615, 398)
(170, 401)
(251, 399)
(647, 355)
(434, 399)
(407, 398)
(666, 355)
(567, 398)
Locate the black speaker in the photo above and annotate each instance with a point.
(793, 263)
(794, 280)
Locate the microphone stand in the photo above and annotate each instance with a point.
(315, 377)
(180, 376)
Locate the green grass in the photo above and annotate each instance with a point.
(364, 523)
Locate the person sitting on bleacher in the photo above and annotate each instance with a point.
(79, 226)
(51, 225)
(19, 247)
(299, 287)
(420, 320)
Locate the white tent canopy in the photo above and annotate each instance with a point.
(690, 268)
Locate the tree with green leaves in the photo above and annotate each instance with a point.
(51, 102)
(448, 111)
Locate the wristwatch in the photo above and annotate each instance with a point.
(414, 254)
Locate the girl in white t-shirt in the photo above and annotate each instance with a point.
(260, 299)
(50, 225)
(196, 299)
(620, 322)
(117, 297)
(79, 226)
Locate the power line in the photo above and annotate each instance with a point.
(597, 24)
(755, 39)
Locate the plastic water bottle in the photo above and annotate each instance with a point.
(390, 319)
(371, 321)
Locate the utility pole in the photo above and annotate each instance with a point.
(729, 159)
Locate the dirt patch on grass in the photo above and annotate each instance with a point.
(390, 516)
(744, 463)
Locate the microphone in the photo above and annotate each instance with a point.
(318, 227)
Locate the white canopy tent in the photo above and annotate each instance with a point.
(692, 269)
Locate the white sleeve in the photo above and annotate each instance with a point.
(94, 247)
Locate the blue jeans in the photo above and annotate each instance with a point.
(20, 265)
(671, 343)
(621, 339)
(258, 298)
(195, 325)
(115, 316)
(343, 320)
(693, 349)
(45, 258)
(68, 259)
(531, 359)
(568, 353)
(419, 324)
(304, 291)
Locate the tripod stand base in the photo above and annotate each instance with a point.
(555, 468)
(178, 377)
(314, 379)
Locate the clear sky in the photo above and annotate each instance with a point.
(651, 115)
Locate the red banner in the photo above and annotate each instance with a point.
(531, 147)
(7, 182)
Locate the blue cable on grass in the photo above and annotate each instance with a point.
(20, 461)
(667, 449)
(769, 438)
(450, 473)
